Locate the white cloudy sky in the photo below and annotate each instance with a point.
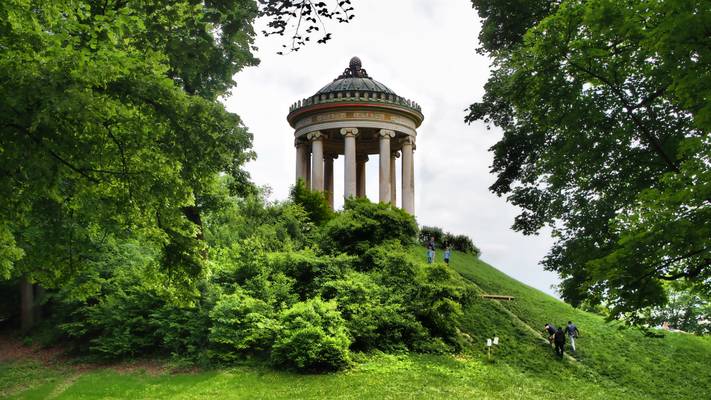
(423, 50)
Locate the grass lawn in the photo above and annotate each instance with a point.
(610, 363)
(377, 376)
(675, 366)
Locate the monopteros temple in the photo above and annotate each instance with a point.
(357, 117)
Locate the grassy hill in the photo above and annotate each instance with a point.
(611, 363)
(672, 367)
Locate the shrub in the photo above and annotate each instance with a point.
(308, 270)
(426, 232)
(312, 337)
(374, 317)
(314, 203)
(246, 266)
(440, 296)
(432, 293)
(241, 325)
(183, 329)
(278, 226)
(461, 243)
(362, 225)
(116, 326)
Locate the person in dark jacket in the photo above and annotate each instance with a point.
(549, 330)
(559, 339)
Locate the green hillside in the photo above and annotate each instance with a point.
(672, 367)
(610, 364)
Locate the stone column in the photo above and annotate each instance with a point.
(316, 161)
(328, 176)
(300, 161)
(360, 174)
(349, 181)
(385, 135)
(393, 178)
(408, 179)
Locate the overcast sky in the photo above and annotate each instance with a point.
(423, 50)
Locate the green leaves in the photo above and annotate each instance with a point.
(111, 127)
(597, 119)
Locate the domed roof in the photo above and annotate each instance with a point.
(354, 86)
(360, 84)
(355, 78)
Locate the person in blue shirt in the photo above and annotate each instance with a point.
(447, 254)
(572, 332)
(431, 250)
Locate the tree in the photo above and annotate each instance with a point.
(308, 13)
(684, 311)
(314, 203)
(111, 127)
(605, 113)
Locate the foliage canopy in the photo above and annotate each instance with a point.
(605, 113)
(111, 127)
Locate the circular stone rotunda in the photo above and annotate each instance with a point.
(356, 116)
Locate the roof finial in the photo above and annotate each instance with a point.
(355, 64)
(354, 70)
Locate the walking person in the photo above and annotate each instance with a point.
(572, 332)
(431, 250)
(549, 330)
(559, 342)
(447, 254)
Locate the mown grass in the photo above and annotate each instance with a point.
(611, 363)
(375, 376)
(674, 366)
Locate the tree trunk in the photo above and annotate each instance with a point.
(39, 301)
(26, 305)
(192, 213)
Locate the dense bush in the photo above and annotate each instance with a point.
(439, 301)
(427, 232)
(312, 336)
(374, 315)
(313, 202)
(432, 293)
(277, 287)
(461, 243)
(362, 225)
(308, 270)
(241, 324)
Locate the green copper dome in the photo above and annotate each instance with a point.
(354, 78)
(359, 84)
(354, 86)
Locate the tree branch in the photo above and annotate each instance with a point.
(80, 171)
(649, 136)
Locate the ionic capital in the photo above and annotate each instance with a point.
(349, 132)
(362, 157)
(395, 154)
(387, 133)
(410, 140)
(315, 135)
